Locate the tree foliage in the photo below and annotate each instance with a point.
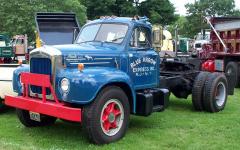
(124, 8)
(159, 11)
(17, 17)
(180, 24)
(98, 8)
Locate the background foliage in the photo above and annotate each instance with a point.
(17, 17)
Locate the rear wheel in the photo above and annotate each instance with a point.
(198, 89)
(231, 72)
(238, 82)
(106, 119)
(215, 92)
(24, 117)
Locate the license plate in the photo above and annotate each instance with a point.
(35, 116)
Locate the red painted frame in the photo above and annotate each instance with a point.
(43, 106)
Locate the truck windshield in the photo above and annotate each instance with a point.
(113, 33)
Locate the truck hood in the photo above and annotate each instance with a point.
(85, 48)
(99, 54)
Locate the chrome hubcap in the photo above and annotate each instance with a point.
(220, 94)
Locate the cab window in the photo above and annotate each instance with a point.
(140, 38)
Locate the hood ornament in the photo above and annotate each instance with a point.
(88, 57)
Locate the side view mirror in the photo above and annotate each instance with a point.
(157, 37)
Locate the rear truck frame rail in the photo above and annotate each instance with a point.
(44, 106)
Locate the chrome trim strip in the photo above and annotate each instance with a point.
(103, 58)
(75, 59)
(93, 63)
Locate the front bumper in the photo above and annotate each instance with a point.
(43, 106)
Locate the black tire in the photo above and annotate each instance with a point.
(93, 112)
(2, 106)
(238, 81)
(215, 85)
(231, 72)
(198, 91)
(24, 117)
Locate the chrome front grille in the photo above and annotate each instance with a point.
(40, 66)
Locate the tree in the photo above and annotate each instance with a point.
(203, 8)
(124, 8)
(98, 8)
(181, 25)
(17, 17)
(159, 11)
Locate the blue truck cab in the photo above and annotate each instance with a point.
(110, 72)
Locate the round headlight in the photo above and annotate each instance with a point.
(65, 84)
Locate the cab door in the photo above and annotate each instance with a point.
(143, 60)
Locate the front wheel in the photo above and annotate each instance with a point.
(2, 106)
(106, 119)
(25, 119)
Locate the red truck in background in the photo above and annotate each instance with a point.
(224, 49)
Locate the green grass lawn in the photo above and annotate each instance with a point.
(179, 127)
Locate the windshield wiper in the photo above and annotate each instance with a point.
(113, 40)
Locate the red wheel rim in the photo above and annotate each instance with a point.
(112, 116)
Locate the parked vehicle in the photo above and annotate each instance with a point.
(110, 72)
(201, 39)
(225, 48)
(6, 51)
(52, 28)
(185, 45)
(165, 42)
(20, 44)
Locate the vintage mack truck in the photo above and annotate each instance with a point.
(110, 72)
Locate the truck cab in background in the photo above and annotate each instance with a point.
(6, 51)
(201, 39)
(20, 46)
